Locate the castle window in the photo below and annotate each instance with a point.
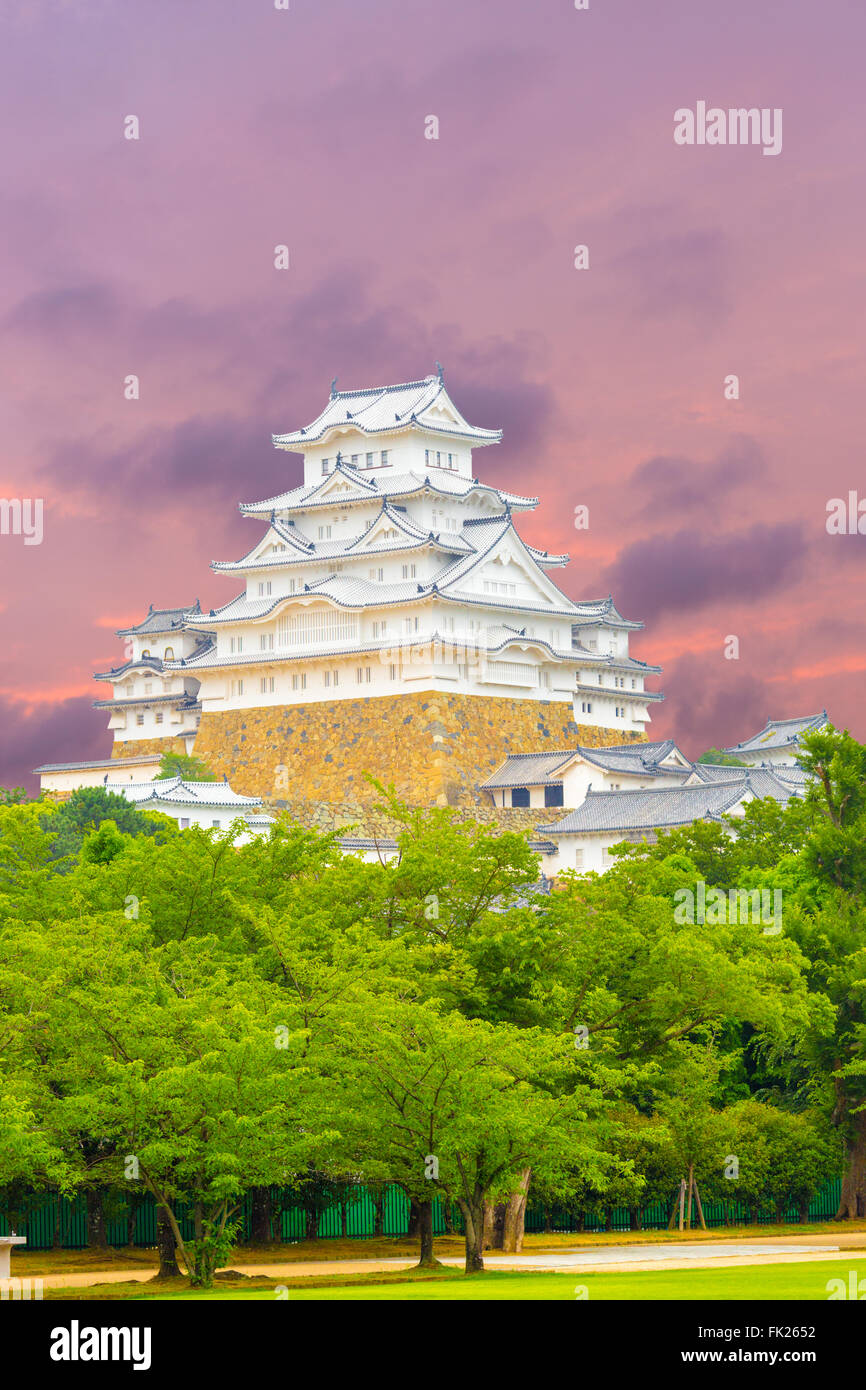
(267, 684)
(578, 858)
(620, 711)
(369, 460)
(324, 533)
(451, 461)
(299, 681)
(326, 466)
(356, 459)
(266, 641)
(392, 672)
(158, 718)
(553, 796)
(184, 822)
(384, 457)
(427, 460)
(139, 719)
(215, 824)
(438, 458)
(520, 796)
(169, 654)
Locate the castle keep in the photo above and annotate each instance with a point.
(388, 619)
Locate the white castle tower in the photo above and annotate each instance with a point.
(394, 566)
(392, 579)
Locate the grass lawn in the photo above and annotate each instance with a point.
(805, 1280)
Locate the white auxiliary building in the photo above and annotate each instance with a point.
(777, 743)
(209, 805)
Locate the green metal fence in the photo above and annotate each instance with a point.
(654, 1217)
(48, 1220)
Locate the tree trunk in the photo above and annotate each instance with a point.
(166, 1247)
(494, 1225)
(473, 1218)
(514, 1216)
(427, 1259)
(312, 1232)
(635, 1219)
(96, 1236)
(261, 1216)
(344, 1220)
(379, 1215)
(804, 1213)
(852, 1202)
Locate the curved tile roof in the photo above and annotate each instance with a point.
(779, 733)
(384, 409)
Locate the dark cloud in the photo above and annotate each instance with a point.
(714, 703)
(675, 484)
(230, 454)
(79, 310)
(221, 456)
(693, 568)
(70, 731)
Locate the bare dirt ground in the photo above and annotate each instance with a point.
(636, 1251)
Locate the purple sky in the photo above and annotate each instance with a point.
(306, 127)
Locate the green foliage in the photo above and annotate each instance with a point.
(184, 765)
(284, 1014)
(715, 755)
(85, 810)
(13, 796)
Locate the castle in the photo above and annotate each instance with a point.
(391, 621)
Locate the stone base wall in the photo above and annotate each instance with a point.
(171, 743)
(371, 822)
(435, 748)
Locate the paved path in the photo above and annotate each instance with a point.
(664, 1255)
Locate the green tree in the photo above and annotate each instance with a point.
(185, 765)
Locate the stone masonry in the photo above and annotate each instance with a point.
(435, 748)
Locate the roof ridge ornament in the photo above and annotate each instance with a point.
(440, 372)
(334, 389)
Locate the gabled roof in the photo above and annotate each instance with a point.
(779, 733)
(177, 790)
(162, 620)
(528, 770)
(352, 591)
(180, 698)
(445, 641)
(666, 808)
(147, 663)
(716, 772)
(596, 612)
(546, 769)
(379, 410)
(94, 763)
(385, 484)
(487, 536)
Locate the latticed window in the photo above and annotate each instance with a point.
(322, 625)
